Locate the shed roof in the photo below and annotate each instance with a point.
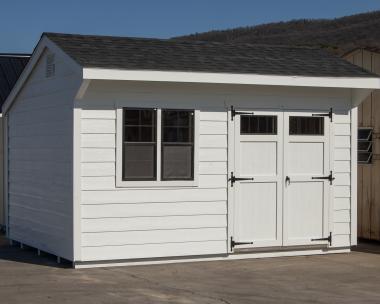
(171, 55)
(11, 67)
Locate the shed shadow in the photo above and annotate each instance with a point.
(367, 246)
(28, 255)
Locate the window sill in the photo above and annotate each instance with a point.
(158, 184)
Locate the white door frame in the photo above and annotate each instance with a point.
(231, 166)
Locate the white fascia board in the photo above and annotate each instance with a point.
(43, 44)
(224, 78)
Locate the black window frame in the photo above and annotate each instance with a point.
(192, 144)
(152, 143)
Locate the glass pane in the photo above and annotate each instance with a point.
(364, 157)
(364, 146)
(306, 125)
(131, 117)
(140, 125)
(139, 161)
(177, 162)
(258, 124)
(177, 126)
(131, 134)
(364, 133)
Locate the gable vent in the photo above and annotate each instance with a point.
(50, 65)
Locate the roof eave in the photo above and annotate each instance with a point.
(226, 78)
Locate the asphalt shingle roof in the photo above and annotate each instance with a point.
(172, 55)
(11, 67)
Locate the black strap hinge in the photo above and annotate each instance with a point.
(234, 113)
(233, 179)
(329, 177)
(329, 114)
(329, 239)
(233, 243)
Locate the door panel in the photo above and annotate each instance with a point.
(306, 200)
(258, 203)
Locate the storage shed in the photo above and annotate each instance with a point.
(368, 149)
(11, 66)
(125, 150)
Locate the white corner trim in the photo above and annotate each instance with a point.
(82, 89)
(226, 78)
(354, 177)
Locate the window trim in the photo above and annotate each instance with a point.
(158, 182)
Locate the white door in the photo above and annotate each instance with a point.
(306, 187)
(258, 155)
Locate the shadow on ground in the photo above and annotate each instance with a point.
(368, 247)
(28, 255)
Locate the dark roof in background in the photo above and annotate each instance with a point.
(172, 55)
(11, 66)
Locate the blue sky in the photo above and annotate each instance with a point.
(22, 21)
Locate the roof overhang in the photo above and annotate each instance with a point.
(223, 78)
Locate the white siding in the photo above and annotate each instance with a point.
(134, 220)
(40, 160)
(342, 184)
(128, 223)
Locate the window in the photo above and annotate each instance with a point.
(258, 124)
(306, 125)
(365, 145)
(156, 146)
(139, 144)
(177, 145)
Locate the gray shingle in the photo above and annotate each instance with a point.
(171, 55)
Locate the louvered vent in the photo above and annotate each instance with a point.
(50, 65)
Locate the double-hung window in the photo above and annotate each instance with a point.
(156, 147)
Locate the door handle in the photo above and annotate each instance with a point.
(287, 180)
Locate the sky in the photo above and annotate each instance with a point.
(23, 21)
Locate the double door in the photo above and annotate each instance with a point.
(281, 178)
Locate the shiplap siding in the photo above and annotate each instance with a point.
(341, 221)
(132, 221)
(129, 223)
(40, 150)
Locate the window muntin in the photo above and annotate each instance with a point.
(258, 124)
(365, 145)
(177, 147)
(139, 144)
(306, 125)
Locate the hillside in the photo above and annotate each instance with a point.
(339, 35)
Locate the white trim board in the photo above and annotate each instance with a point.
(227, 78)
(231, 257)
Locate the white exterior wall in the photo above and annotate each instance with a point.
(40, 160)
(129, 223)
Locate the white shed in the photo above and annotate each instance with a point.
(125, 150)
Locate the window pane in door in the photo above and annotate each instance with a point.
(258, 124)
(306, 125)
(177, 145)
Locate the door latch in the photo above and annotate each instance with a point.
(233, 179)
(233, 243)
(287, 180)
(329, 177)
(329, 239)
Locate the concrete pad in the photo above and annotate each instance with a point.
(339, 278)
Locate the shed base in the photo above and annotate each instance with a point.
(236, 256)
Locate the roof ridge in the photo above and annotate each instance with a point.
(176, 40)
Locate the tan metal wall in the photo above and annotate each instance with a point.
(369, 174)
